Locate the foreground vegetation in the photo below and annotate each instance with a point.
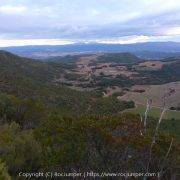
(38, 142)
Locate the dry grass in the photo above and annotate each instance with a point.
(170, 91)
(151, 65)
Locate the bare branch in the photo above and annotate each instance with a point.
(154, 140)
(148, 107)
(165, 158)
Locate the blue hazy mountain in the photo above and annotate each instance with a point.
(149, 50)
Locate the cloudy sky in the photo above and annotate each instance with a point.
(25, 22)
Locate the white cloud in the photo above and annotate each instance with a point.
(129, 21)
(26, 42)
(132, 39)
(126, 40)
(118, 40)
(173, 31)
(7, 9)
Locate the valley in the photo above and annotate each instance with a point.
(131, 81)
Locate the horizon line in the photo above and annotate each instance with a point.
(87, 43)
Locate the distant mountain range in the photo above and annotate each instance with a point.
(149, 50)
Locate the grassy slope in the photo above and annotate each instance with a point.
(170, 123)
(155, 112)
(157, 93)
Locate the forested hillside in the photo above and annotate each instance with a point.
(26, 78)
(123, 58)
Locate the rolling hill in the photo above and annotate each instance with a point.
(122, 58)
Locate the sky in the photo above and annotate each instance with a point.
(53, 22)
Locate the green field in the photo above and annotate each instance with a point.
(155, 112)
(170, 123)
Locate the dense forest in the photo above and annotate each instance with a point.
(48, 127)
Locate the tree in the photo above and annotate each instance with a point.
(19, 149)
(3, 172)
